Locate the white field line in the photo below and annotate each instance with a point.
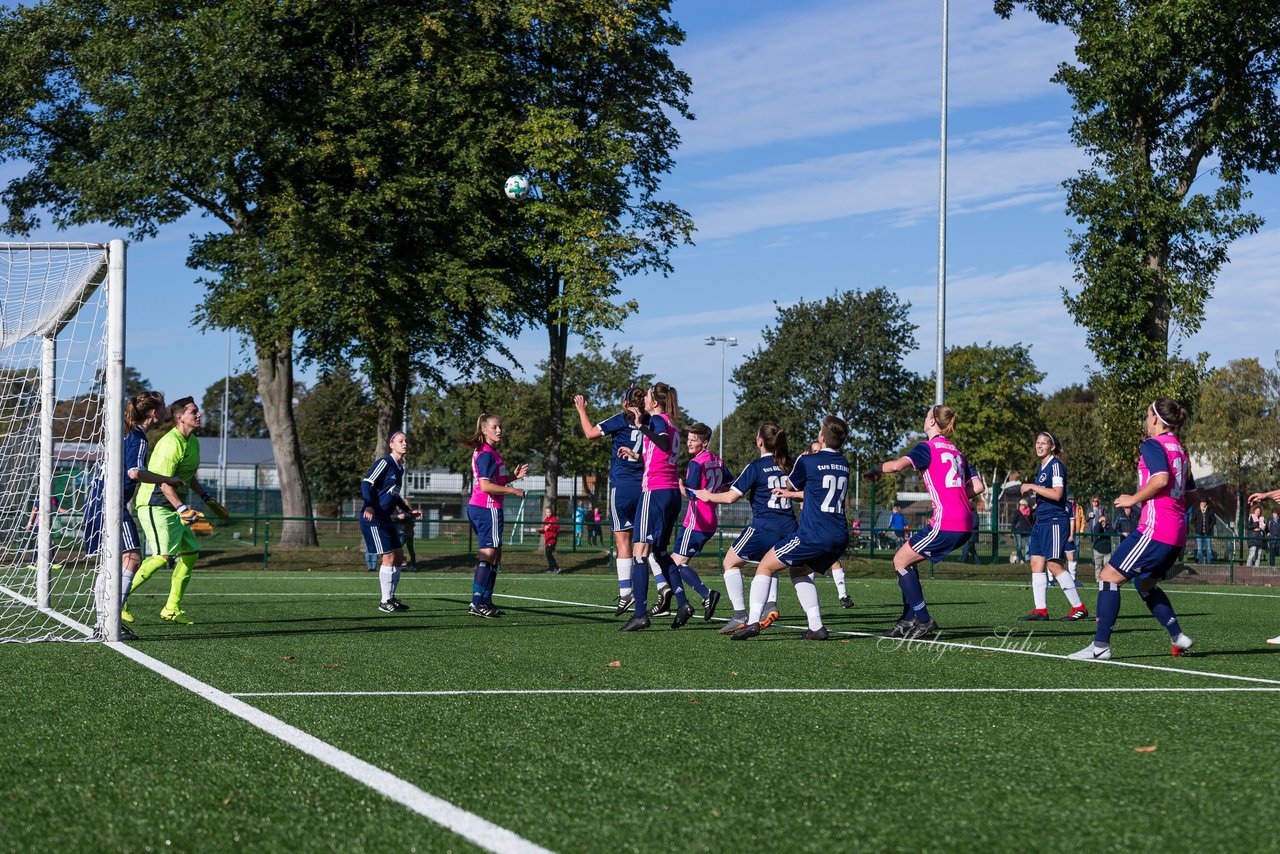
(739, 691)
(472, 827)
(998, 643)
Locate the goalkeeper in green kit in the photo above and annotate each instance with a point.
(163, 513)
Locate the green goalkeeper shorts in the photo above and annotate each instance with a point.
(165, 533)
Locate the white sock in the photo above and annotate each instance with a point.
(759, 594)
(1071, 568)
(126, 583)
(384, 580)
(733, 586)
(773, 589)
(395, 579)
(837, 575)
(807, 593)
(624, 565)
(656, 569)
(1073, 595)
(1039, 586)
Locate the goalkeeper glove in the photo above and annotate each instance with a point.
(218, 509)
(189, 515)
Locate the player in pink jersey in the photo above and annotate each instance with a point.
(706, 473)
(1273, 495)
(660, 505)
(1146, 555)
(952, 484)
(488, 486)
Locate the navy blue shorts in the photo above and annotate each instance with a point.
(380, 536)
(658, 511)
(754, 543)
(689, 543)
(624, 506)
(1139, 556)
(935, 545)
(816, 556)
(487, 523)
(129, 541)
(1049, 539)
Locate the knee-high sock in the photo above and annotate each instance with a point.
(178, 584)
(837, 575)
(913, 593)
(489, 583)
(1108, 610)
(126, 584)
(691, 579)
(656, 568)
(1068, 585)
(1039, 590)
(807, 593)
(479, 583)
(146, 569)
(640, 586)
(623, 566)
(1157, 602)
(773, 589)
(760, 585)
(733, 585)
(672, 574)
(385, 583)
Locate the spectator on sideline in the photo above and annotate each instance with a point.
(898, 524)
(550, 533)
(1126, 521)
(1256, 525)
(1202, 521)
(407, 525)
(1102, 532)
(1273, 495)
(594, 535)
(1021, 528)
(579, 517)
(1273, 534)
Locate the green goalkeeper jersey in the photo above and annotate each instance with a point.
(175, 455)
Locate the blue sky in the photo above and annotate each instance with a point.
(813, 167)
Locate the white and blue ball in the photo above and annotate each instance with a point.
(517, 187)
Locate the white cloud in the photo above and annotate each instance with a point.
(851, 66)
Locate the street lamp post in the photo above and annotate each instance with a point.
(724, 342)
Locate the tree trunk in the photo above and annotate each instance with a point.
(275, 387)
(558, 338)
(390, 393)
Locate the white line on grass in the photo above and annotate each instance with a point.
(683, 691)
(485, 834)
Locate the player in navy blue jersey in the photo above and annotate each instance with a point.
(1051, 532)
(383, 502)
(141, 412)
(625, 473)
(822, 481)
(772, 519)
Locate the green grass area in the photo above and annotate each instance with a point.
(653, 741)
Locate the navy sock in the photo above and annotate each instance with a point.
(479, 581)
(489, 584)
(1108, 610)
(692, 579)
(913, 595)
(671, 572)
(1158, 604)
(640, 587)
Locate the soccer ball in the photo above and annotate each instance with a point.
(517, 187)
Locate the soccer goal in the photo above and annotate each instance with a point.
(61, 420)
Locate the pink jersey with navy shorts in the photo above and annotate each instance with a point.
(946, 476)
(494, 471)
(659, 465)
(701, 516)
(1164, 517)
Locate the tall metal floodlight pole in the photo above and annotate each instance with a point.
(942, 218)
(222, 445)
(723, 341)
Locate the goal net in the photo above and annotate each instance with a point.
(61, 376)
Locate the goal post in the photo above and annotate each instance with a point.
(62, 348)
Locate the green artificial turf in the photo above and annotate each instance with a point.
(651, 741)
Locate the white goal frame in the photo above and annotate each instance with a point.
(108, 272)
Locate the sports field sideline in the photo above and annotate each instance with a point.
(294, 716)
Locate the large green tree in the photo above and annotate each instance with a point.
(1163, 92)
(243, 412)
(1073, 416)
(337, 431)
(594, 92)
(1237, 426)
(843, 355)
